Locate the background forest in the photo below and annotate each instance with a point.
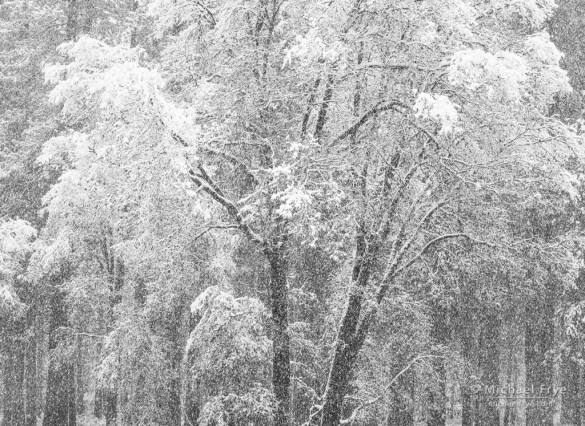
(292, 212)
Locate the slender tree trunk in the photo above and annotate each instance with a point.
(281, 369)
(469, 394)
(557, 378)
(440, 333)
(30, 378)
(175, 355)
(520, 363)
(72, 19)
(402, 411)
(322, 116)
(539, 341)
(512, 366)
(437, 403)
(489, 366)
(581, 419)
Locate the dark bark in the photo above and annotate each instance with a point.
(512, 363)
(110, 407)
(30, 380)
(402, 409)
(61, 409)
(557, 377)
(107, 398)
(280, 338)
(309, 108)
(440, 334)
(469, 398)
(581, 418)
(72, 19)
(539, 340)
(351, 334)
(488, 413)
(467, 402)
(13, 379)
(170, 401)
(322, 117)
(61, 396)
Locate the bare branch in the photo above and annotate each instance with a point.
(353, 416)
(207, 185)
(234, 160)
(381, 107)
(427, 247)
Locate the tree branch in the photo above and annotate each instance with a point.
(207, 185)
(381, 107)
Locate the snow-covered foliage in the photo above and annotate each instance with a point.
(16, 242)
(532, 13)
(228, 353)
(438, 108)
(504, 72)
(311, 48)
(50, 257)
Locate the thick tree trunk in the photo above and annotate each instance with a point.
(281, 369)
(61, 396)
(13, 378)
(110, 407)
(350, 337)
(61, 410)
(346, 352)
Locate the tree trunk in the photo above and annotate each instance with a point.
(13, 377)
(351, 335)
(61, 410)
(402, 410)
(110, 407)
(440, 333)
(539, 341)
(280, 338)
(469, 393)
(72, 19)
(175, 356)
(437, 403)
(30, 380)
(489, 367)
(512, 366)
(557, 379)
(61, 395)
(581, 419)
